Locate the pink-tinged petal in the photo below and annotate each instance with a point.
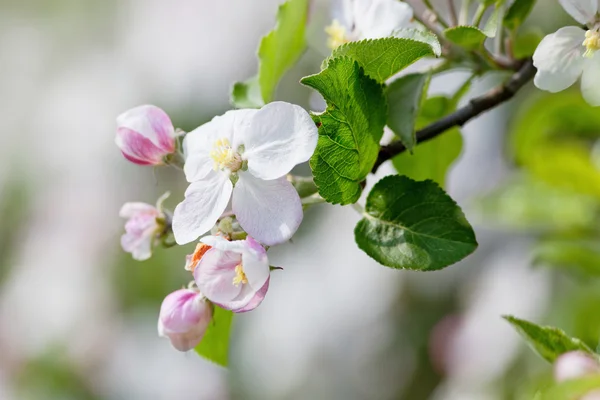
(583, 11)
(198, 144)
(205, 201)
(256, 300)
(559, 59)
(152, 123)
(255, 263)
(590, 80)
(137, 148)
(270, 211)
(573, 365)
(130, 209)
(279, 136)
(140, 247)
(215, 273)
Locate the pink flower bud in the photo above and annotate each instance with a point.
(140, 229)
(145, 135)
(575, 364)
(184, 317)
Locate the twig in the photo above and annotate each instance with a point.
(452, 12)
(476, 106)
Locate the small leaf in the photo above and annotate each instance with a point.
(278, 51)
(383, 58)
(572, 389)
(494, 22)
(526, 42)
(547, 341)
(469, 37)
(349, 130)
(215, 343)
(404, 97)
(518, 13)
(420, 36)
(413, 225)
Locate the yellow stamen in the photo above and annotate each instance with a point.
(591, 42)
(225, 157)
(240, 276)
(337, 34)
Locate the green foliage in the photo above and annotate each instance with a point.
(349, 130)
(215, 343)
(413, 225)
(421, 36)
(547, 341)
(494, 22)
(571, 389)
(431, 159)
(578, 256)
(404, 97)
(526, 42)
(383, 58)
(518, 13)
(469, 37)
(278, 51)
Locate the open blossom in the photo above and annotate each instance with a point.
(145, 135)
(575, 364)
(234, 275)
(366, 19)
(141, 229)
(184, 317)
(244, 155)
(562, 57)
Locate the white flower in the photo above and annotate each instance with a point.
(366, 19)
(562, 57)
(140, 230)
(245, 155)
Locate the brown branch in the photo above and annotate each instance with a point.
(476, 106)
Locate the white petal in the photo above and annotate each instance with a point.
(130, 209)
(205, 201)
(255, 263)
(270, 211)
(590, 80)
(343, 12)
(379, 18)
(280, 136)
(559, 59)
(215, 273)
(198, 144)
(583, 11)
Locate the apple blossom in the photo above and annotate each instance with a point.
(366, 19)
(145, 135)
(574, 364)
(245, 155)
(233, 275)
(184, 317)
(562, 57)
(141, 229)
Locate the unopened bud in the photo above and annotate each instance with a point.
(575, 364)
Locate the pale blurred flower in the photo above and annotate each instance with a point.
(184, 317)
(234, 275)
(366, 19)
(145, 135)
(145, 223)
(245, 155)
(562, 57)
(575, 364)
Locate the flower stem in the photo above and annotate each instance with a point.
(464, 12)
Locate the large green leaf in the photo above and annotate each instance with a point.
(469, 37)
(278, 51)
(431, 159)
(215, 343)
(413, 225)
(349, 130)
(383, 58)
(518, 13)
(547, 341)
(404, 97)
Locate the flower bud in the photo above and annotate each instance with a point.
(141, 229)
(184, 317)
(575, 364)
(145, 135)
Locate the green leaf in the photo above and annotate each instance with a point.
(518, 13)
(404, 97)
(420, 36)
(469, 37)
(349, 130)
(413, 225)
(580, 257)
(494, 22)
(383, 58)
(215, 343)
(572, 389)
(547, 341)
(526, 42)
(433, 158)
(278, 51)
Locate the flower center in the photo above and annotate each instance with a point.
(337, 34)
(225, 157)
(240, 276)
(591, 42)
